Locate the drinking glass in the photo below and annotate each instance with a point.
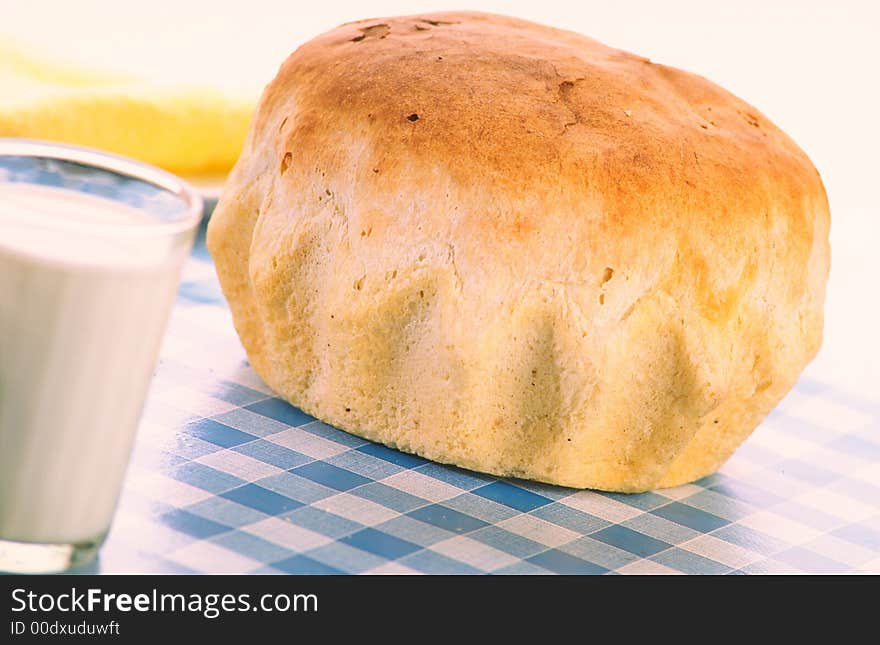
(91, 250)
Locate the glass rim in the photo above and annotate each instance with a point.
(125, 166)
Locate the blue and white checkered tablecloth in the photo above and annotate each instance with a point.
(227, 478)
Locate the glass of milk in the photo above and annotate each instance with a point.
(91, 249)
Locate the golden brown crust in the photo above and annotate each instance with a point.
(512, 248)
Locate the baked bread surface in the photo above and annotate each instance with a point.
(511, 248)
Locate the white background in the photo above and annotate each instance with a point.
(809, 65)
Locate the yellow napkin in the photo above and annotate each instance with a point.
(188, 130)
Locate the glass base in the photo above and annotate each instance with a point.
(30, 557)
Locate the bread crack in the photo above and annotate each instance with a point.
(563, 96)
(373, 31)
(458, 281)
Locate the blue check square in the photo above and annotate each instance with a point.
(330, 475)
(191, 524)
(629, 540)
(512, 496)
(304, 565)
(691, 517)
(280, 410)
(564, 564)
(381, 544)
(261, 499)
(447, 518)
(217, 433)
(396, 457)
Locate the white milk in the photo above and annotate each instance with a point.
(85, 289)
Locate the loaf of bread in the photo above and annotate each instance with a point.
(511, 248)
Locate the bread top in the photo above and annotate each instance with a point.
(503, 125)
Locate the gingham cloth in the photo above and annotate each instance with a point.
(227, 478)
